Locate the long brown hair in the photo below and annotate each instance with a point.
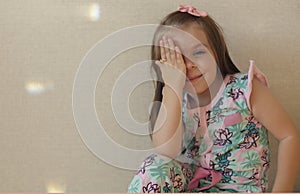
(216, 41)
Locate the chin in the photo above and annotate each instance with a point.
(196, 89)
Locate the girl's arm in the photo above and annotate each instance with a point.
(167, 136)
(168, 129)
(271, 114)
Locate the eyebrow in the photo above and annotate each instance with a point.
(199, 45)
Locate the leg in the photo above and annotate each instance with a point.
(161, 174)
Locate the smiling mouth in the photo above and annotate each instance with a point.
(195, 78)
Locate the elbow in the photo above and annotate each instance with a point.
(168, 149)
(172, 154)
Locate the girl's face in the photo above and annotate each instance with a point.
(201, 67)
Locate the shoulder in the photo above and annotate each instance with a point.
(268, 111)
(243, 84)
(261, 96)
(245, 79)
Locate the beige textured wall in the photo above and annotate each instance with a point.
(42, 44)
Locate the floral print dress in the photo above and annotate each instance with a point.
(225, 149)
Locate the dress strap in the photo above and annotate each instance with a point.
(254, 72)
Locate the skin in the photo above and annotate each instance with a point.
(182, 64)
(178, 72)
(197, 62)
(272, 115)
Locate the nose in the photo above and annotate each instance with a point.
(189, 64)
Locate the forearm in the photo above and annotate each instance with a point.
(167, 136)
(288, 164)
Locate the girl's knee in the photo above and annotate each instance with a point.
(155, 161)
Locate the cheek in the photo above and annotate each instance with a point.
(210, 70)
(206, 63)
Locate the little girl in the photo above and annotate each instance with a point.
(211, 127)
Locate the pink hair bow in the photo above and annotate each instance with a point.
(192, 10)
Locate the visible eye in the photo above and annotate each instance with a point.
(199, 52)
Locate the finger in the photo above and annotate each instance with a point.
(162, 50)
(167, 50)
(179, 58)
(171, 50)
